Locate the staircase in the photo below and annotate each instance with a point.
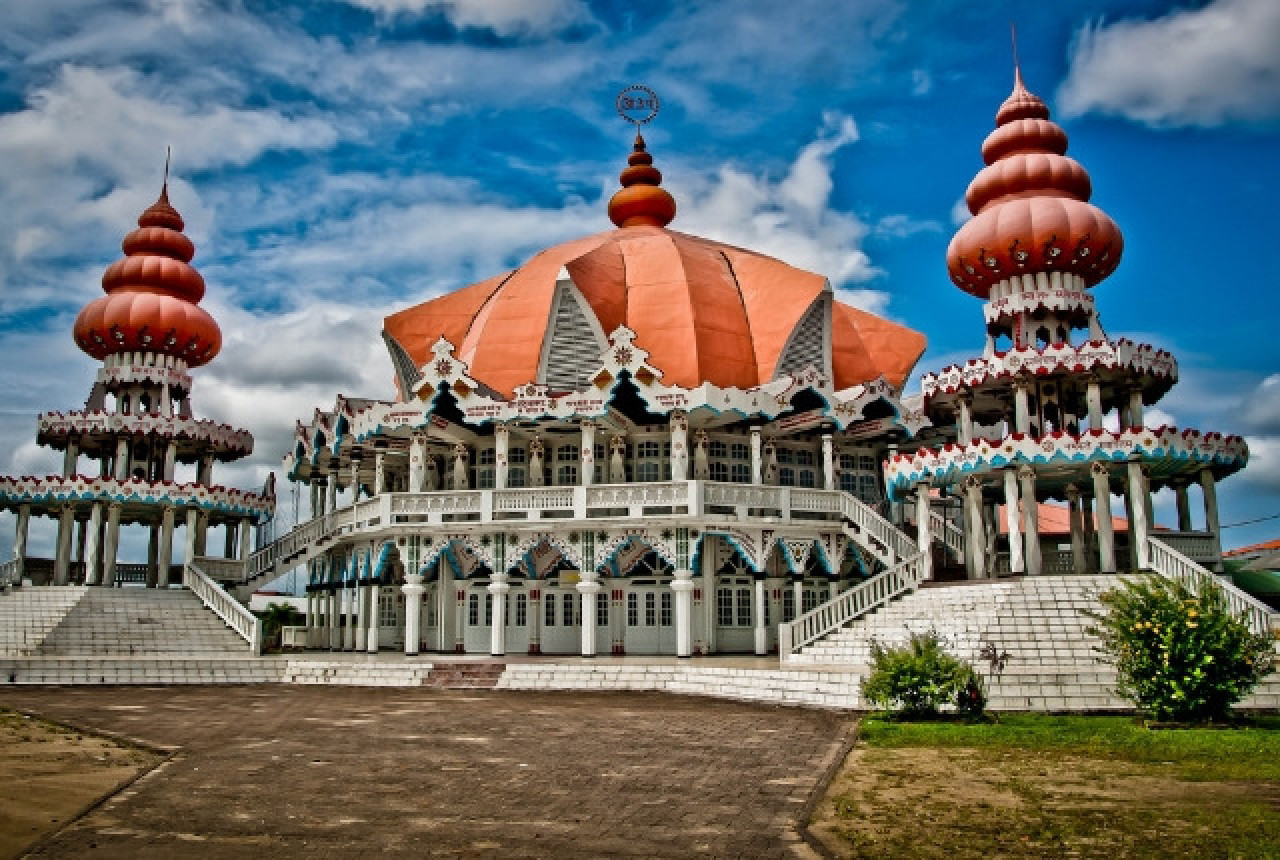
(466, 675)
(28, 614)
(138, 621)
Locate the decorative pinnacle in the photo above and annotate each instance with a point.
(641, 202)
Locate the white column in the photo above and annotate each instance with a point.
(372, 627)
(762, 632)
(417, 465)
(164, 557)
(679, 447)
(924, 527)
(1012, 515)
(1078, 562)
(1138, 526)
(797, 596)
(412, 590)
(1184, 507)
(70, 459)
(587, 458)
(379, 478)
(170, 460)
(122, 459)
(93, 553)
(976, 541)
(360, 608)
(502, 448)
(589, 588)
(964, 424)
(1093, 397)
(111, 545)
(828, 462)
(62, 559)
(246, 539)
(1030, 520)
(20, 539)
(682, 585)
(335, 620)
(498, 588)
(757, 456)
(189, 552)
(1135, 407)
(1210, 492)
(1021, 407)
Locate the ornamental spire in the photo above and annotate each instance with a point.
(642, 202)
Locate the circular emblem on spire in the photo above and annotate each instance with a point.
(637, 104)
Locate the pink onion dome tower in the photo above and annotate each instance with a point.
(148, 331)
(1053, 408)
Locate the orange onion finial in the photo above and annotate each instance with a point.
(642, 201)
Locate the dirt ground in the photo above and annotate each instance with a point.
(49, 774)
(962, 803)
(316, 772)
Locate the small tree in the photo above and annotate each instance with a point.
(916, 679)
(275, 617)
(1180, 656)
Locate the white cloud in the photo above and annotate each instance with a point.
(1260, 410)
(503, 17)
(1199, 67)
(960, 213)
(921, 82)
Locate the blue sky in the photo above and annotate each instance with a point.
(339, 160)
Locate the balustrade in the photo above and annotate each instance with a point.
(1168, 562)
(231, 611)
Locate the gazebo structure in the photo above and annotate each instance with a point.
(137, 425)
(637, 442)
(1053, 408)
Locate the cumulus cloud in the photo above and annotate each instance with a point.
(503, 17)
(1190, 67)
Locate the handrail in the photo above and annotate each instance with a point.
(850, 605)
(226, 607)
(868, 520)
(1168, 562)
(951, 534)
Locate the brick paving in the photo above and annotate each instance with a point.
(317, 772)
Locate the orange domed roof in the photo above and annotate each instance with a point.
(1031, 206)
(704, 311)
(151, 298)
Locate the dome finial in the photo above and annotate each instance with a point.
(164, 186)
(1017, 65)
(642, 202)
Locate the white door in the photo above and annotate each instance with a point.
(735, 614)
(560, 616)
(649, 622)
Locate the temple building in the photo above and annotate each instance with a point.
(120, 452)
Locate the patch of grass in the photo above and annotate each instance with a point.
(1249, 752)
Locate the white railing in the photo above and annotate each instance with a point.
(951, 535)
(9, 572)
(226, 607)
(222, 569)
(1168, 562)
(294, 636)
(867, 521)
(531, 500)
(850, 605)
(1200, 547)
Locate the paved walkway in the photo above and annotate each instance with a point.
(317, 772)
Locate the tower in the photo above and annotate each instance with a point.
(1054, 408)
(120, 452)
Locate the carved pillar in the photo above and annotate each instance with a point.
(757, 457)
(70, 459)
(682, 585)
(679, 446)
(164, 557)
(62, 558)
(537, 475)
(1184, 507)
(417, 455)
(1012, 515)
(924, 527)
(1021, 406)
(20, 540)
(189, 552)
(93, 551)
(111, 545)
(828, 462)
(501, 455)
(1093, 397)
(1210, 492)
(1135, 407)
(498, 588)
(1078, 563)
(413, 589)
(1030, 520)
(587, 460)
(246, 539)
(589, 588)
(617, 460)
(701, 463)
(976, 540)
(964, 423)
(1138, 525)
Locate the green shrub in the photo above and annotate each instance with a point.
(916, 679)
(1180, 656)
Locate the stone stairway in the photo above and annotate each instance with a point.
(28, 614)
(1040, 622)
(140, 621)
(466, 675)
